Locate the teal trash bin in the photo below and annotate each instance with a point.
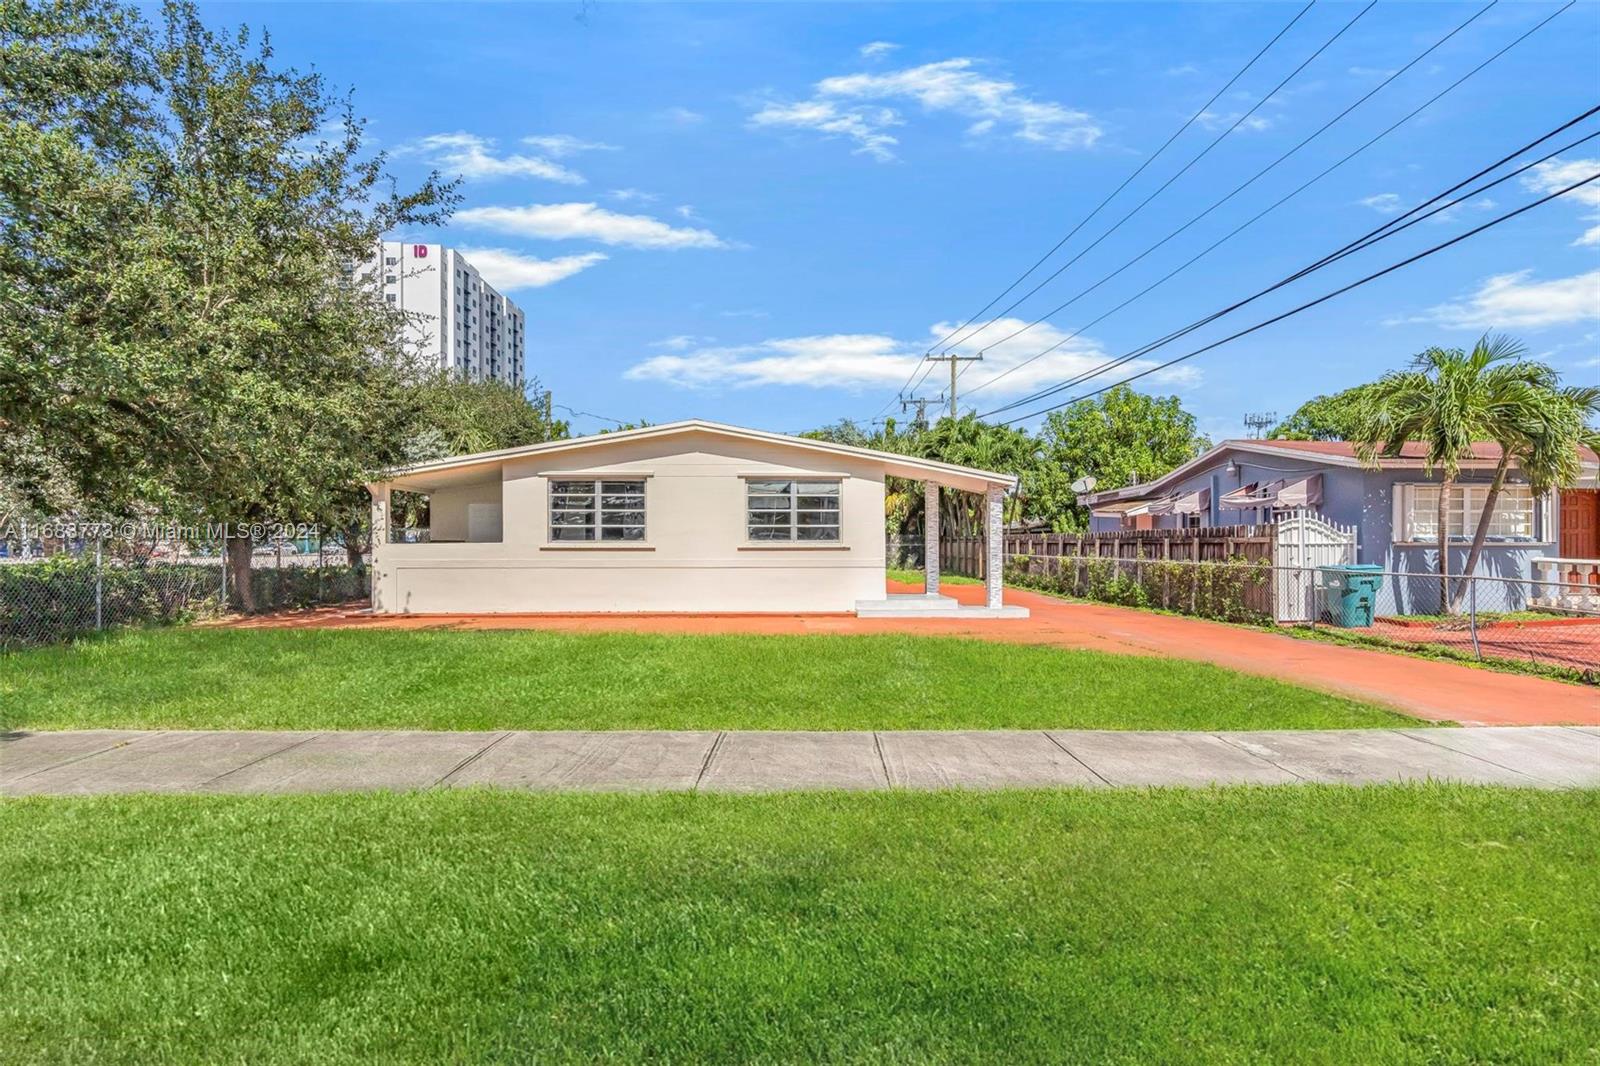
(1352, 593)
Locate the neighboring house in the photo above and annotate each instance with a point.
(686, 517)
(1392, 508)
(455, 319)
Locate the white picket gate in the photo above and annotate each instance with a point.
(1306, 541)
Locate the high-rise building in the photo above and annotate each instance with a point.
(452, 315)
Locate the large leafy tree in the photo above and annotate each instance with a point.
(1121, 437)
(199, 342)
(1333, 417)
(1448, 399)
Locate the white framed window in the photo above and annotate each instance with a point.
(1512, 518)
(597, 509)
(791, 509)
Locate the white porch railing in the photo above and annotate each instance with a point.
(1566, 584)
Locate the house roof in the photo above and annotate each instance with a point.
(1413, 454)
(961, 477)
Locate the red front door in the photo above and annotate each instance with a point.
(1580, 524)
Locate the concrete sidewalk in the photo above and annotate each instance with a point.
(105, 761)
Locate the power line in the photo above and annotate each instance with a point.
(1125, 181)
(1253, 178)
(1166, 184)
(913, 380)
(1319, 300)
(1359, 244)
(1280, 202)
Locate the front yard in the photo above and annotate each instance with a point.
(1305, 924)
(212, 678)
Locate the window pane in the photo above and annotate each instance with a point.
(585, 487)
(620, 503)
(820, 488)
(571, 518)
(622, 518)
(766, 533)
(818, 503)
(769, 503)
(572, 533)
(1513, 513)
(820, 533)
(628, 533)
(770, 519)
(817, 518)
(768, 487)
(634, 487)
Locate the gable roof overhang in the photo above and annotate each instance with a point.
(1314, 452)
(484, 465)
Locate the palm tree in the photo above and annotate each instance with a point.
(1447, 400)
(1550, 425)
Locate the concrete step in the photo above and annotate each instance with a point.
(923, 606)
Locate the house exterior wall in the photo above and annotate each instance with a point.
(695, 556)
(1366, 499)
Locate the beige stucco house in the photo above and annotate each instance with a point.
(686, 517)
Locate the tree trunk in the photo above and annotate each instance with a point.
(354, 547)
(239, 549)
(1442, 517)
(1481, 534)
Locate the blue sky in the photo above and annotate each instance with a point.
(764, 213)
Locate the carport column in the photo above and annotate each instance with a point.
(994, 570)
(376, 541)
(930, 537)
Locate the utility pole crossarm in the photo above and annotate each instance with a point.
(953, 360)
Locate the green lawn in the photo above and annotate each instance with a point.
(210, 678)
(916, 577)
(1306, 925)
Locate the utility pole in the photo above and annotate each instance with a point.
(921, 404)
(953, 360)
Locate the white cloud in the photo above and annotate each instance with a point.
(1558, 174)
(865, 126)
(681, 343)
(747, 312)
(562, 145)
(1214, 121)
(1385, 203)
(631, 195)
(1182, 70)
(877, 48)
(858, 361)
(687, 211)
(509, 271)
(473, 158)
(1511, 301)
(856, 106)
(682, 116)
(1453, 212)
(1371, 72)
(579, 221)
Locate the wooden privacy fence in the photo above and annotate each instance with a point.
(1213, 544)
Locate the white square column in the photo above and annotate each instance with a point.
(994, 569)
(378, 541)
(930, 537)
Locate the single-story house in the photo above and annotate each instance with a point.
(686, 517)
(1392, 508)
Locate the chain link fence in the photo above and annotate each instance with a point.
(55, 593)
(1483, 618)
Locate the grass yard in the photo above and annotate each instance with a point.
(1308, 925)
(209, 678)
(917, 577)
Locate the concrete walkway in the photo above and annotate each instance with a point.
(1432, 689)
(103, 761)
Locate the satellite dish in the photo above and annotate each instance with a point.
(1084, 484)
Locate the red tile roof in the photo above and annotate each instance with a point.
(1487, 451)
